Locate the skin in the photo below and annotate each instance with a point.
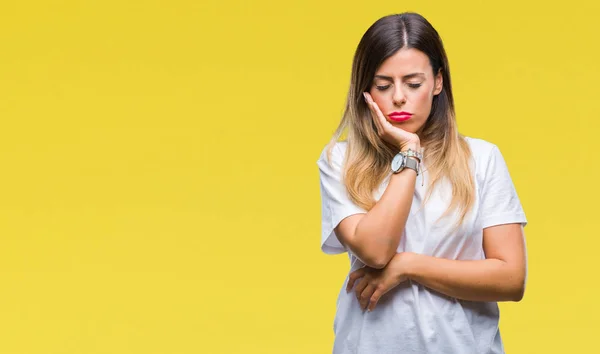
(404, 82)
(410, 86)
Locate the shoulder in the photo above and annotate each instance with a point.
(485, 154)
(480, 148)
(482, 151)
(338, 151)
(489, 161)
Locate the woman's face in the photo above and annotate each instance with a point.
(404, 87)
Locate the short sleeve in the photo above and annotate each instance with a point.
(500, 203)
(335, 202)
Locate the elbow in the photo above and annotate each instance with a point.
(508, 290)
(517, 290)
(519, 287)
(373, 253)
(379, 260)
(509, 293)
(377, 263)
(518, 293)
(512, 285)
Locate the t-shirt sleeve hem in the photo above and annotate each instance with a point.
(331, 250)
(505, 218)
(330, 243)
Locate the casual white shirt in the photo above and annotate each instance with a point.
(412, 318)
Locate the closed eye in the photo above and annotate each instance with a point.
(383, 88)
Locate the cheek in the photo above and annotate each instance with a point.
(378, 98)
(376, 94)
(422, 98)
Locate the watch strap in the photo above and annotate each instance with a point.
(405, 162)
(412, 164)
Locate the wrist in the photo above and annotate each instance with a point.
(413, 145)
(410, 264)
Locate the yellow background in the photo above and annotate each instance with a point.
(159, 190)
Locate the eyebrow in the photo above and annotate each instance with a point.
(405, 77)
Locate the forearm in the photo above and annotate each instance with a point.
(378, 233)
(478, 280)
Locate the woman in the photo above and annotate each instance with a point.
(435, 240)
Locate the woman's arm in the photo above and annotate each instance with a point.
(373, 237)
(499, 277)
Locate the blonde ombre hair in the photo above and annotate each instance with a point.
(368, 157)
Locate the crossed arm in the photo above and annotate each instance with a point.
(499, 277)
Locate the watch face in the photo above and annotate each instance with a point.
(397, 162)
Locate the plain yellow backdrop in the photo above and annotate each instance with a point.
(159, 190)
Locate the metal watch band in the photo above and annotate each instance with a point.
(413, 153)
(412, 164)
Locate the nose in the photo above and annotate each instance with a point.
(399, 98)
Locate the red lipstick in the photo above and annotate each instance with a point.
(400, 116)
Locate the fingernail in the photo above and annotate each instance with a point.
(365, 96)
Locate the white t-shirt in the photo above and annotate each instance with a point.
(412, 318)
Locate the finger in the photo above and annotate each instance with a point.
(360, 286)
(370, 104)
(353, 277)
(377, 294)
(368, 97)
(365, 296)
(381, 118)
(383, 126)
(387, 128)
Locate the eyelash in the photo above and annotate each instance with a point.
(412, 86)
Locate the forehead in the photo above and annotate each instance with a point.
(405, 61)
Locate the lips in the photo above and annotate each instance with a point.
(400, 116)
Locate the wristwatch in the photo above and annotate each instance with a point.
(402, 160)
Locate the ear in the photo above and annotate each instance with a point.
(439, 83)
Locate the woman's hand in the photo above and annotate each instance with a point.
(393, 135)
(374, 283)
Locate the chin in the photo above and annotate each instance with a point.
(406, 126)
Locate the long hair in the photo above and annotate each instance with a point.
(368, 157)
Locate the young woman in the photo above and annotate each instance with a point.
(430, 219)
